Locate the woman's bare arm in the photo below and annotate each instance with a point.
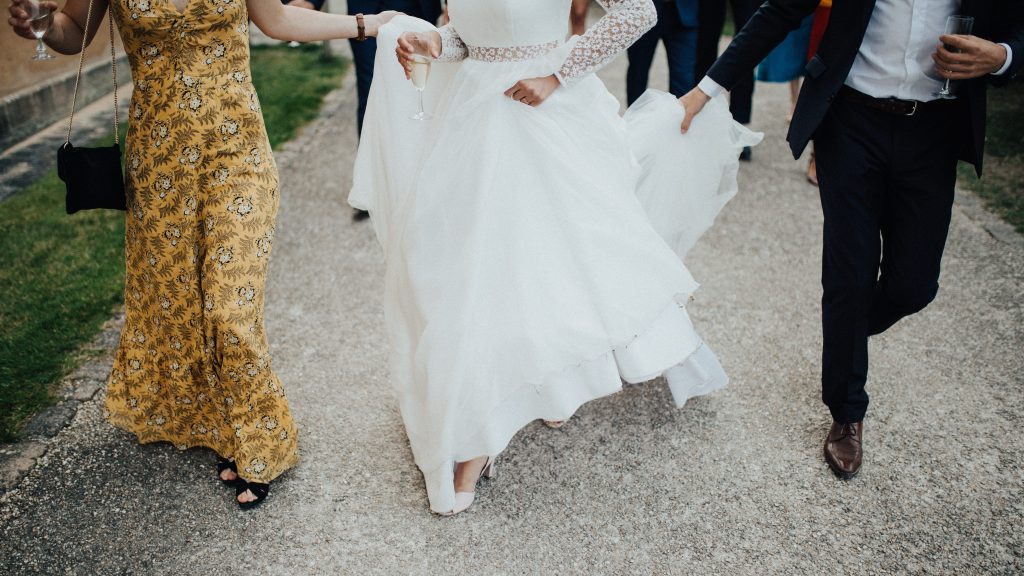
(283, 22)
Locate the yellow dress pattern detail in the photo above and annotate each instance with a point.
(193, 367)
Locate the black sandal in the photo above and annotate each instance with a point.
(225, 464)
(258, 490)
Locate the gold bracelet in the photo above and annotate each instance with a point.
(361, 26)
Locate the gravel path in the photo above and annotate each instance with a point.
(732, 484)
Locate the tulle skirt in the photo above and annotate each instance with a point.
(524, 276)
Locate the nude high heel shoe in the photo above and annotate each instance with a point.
(463, 500)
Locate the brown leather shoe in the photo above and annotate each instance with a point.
(843, 450)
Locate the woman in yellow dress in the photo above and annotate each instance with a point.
(193, 367)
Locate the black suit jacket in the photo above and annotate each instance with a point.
(997, 20)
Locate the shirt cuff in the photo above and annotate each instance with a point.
(714, 89)
(1009, 60)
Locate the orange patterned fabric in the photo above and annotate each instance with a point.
(193, 367)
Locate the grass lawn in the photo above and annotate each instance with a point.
(63, 275)
(1002, 186)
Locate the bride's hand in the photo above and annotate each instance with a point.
(533, 91)
(412, 43)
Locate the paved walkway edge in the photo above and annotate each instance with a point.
(81, 385)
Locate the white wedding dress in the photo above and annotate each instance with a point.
(524, 275)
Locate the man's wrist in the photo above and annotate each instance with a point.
(710, 88)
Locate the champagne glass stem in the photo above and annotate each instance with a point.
(423, 113)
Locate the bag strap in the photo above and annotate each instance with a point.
(81, 65)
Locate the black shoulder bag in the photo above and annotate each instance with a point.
(92, 176)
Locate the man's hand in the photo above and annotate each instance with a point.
(533, 91)
(693, 102)
(421, 43)
(975, 57)
(20, 14)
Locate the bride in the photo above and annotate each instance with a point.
(524, 276)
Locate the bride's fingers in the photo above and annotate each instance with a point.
(405, 43)
(404, 63)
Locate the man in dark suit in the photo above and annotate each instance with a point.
(677, 28)
(711, 21)
(887, 150)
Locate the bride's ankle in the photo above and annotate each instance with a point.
(468, 473)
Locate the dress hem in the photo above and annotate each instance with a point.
(691, 369)
(189, 445)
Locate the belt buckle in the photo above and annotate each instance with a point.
(913, 110)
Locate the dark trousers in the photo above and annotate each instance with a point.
(364, 53)
(886, 185)
(712, 21)
(681, 46)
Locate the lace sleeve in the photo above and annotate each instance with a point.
(625, 22)
(452, 47)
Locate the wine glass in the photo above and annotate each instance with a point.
(419, 73)
(39, 20)
(954, 25)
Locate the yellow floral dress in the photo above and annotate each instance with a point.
(193, 367)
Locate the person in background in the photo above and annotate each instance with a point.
(786, 62)
(711, 21)
(677, 28)
(578, 16)
(363, 53)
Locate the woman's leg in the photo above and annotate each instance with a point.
(794, 94)
(239, 218)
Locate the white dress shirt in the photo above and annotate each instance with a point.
(895, 57)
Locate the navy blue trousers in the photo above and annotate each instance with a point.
(886, 185)
(711, 16)
(681, 46)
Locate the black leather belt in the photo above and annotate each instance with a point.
(888, 105)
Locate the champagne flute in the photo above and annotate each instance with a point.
(954, 25)
(39, 20)
(419, 73)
